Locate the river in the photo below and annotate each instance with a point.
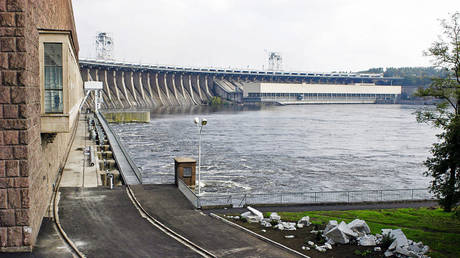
(286, 148)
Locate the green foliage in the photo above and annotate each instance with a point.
(363, 253)
(411, 76)
(438, 229)
(216, 101)
(387, 240)
(444, 165)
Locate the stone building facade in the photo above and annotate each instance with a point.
(33, 143)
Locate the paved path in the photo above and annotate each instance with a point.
(167, 204)
(105, 223)
(74, 174)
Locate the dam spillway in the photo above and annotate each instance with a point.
(132, 86)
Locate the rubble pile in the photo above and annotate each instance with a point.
(355, 232)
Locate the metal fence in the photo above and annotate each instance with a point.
(241, 200)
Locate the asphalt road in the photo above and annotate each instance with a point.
(105, 223)
(167, 204)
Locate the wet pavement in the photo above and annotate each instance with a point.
(105, 223)
(167, 204)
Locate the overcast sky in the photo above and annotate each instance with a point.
(311, 35)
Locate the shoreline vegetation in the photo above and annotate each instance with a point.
(438, 229)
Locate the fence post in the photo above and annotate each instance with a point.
(412, 190)
(315, 196)
(281, 197)
(348, 193)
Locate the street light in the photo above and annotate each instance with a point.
(200, 123)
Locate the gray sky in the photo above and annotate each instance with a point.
(312, 35)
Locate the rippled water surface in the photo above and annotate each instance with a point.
(287, 148)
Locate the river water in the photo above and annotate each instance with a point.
(286, 148)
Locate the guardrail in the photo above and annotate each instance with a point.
(241, 200)
(125, 153)
(188, 193)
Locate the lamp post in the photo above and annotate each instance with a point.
(200, 123)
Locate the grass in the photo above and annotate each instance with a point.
(438, 229)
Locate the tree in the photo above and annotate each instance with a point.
(444, 165)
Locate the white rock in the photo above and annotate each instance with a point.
(263, 230)
(311, 243)
(279, 226)
(305, 221)
(236, 217)
(307, 248)
(256, 212)
(359, 226)
(402, 250)
(289, 236)
(337, 236)
(345, 229)
(303, 247)
(377, 249)
(299, 225)
(275, 217)
(330, 225)
(327, 246)
(314, 231)
(367, 240)
(388, 253)
(265, 224)
(400, 239)
(320, 249)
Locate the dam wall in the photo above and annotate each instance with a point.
(132, 86)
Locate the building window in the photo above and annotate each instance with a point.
(187, 172)
(53, 78)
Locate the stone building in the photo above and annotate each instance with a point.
(40, 93)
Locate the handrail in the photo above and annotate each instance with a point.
(125, 153)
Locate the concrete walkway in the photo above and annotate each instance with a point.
(167, 204)
(75, 174)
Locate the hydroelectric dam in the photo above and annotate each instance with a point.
(128, 85)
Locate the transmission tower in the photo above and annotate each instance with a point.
(104, 46)
(275, 61)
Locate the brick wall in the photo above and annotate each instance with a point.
(28, 166)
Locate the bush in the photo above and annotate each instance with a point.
(387, 240)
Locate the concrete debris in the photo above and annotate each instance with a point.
(320, 249)
(285, 226)
(388, 254)
(337, 235)
(250, 217)
(265, 223)
(289, 236)
(311, 243)
(377, 249)
(327, 246)
(275, 217)
(403, 247)
(367, 240)
(299, 225)
(305, 221)
(345, 229)
(253, 215)
(359, 226)
(256, 212)
(263, 230)
(330, 225)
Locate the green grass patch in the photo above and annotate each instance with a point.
(438, 229)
